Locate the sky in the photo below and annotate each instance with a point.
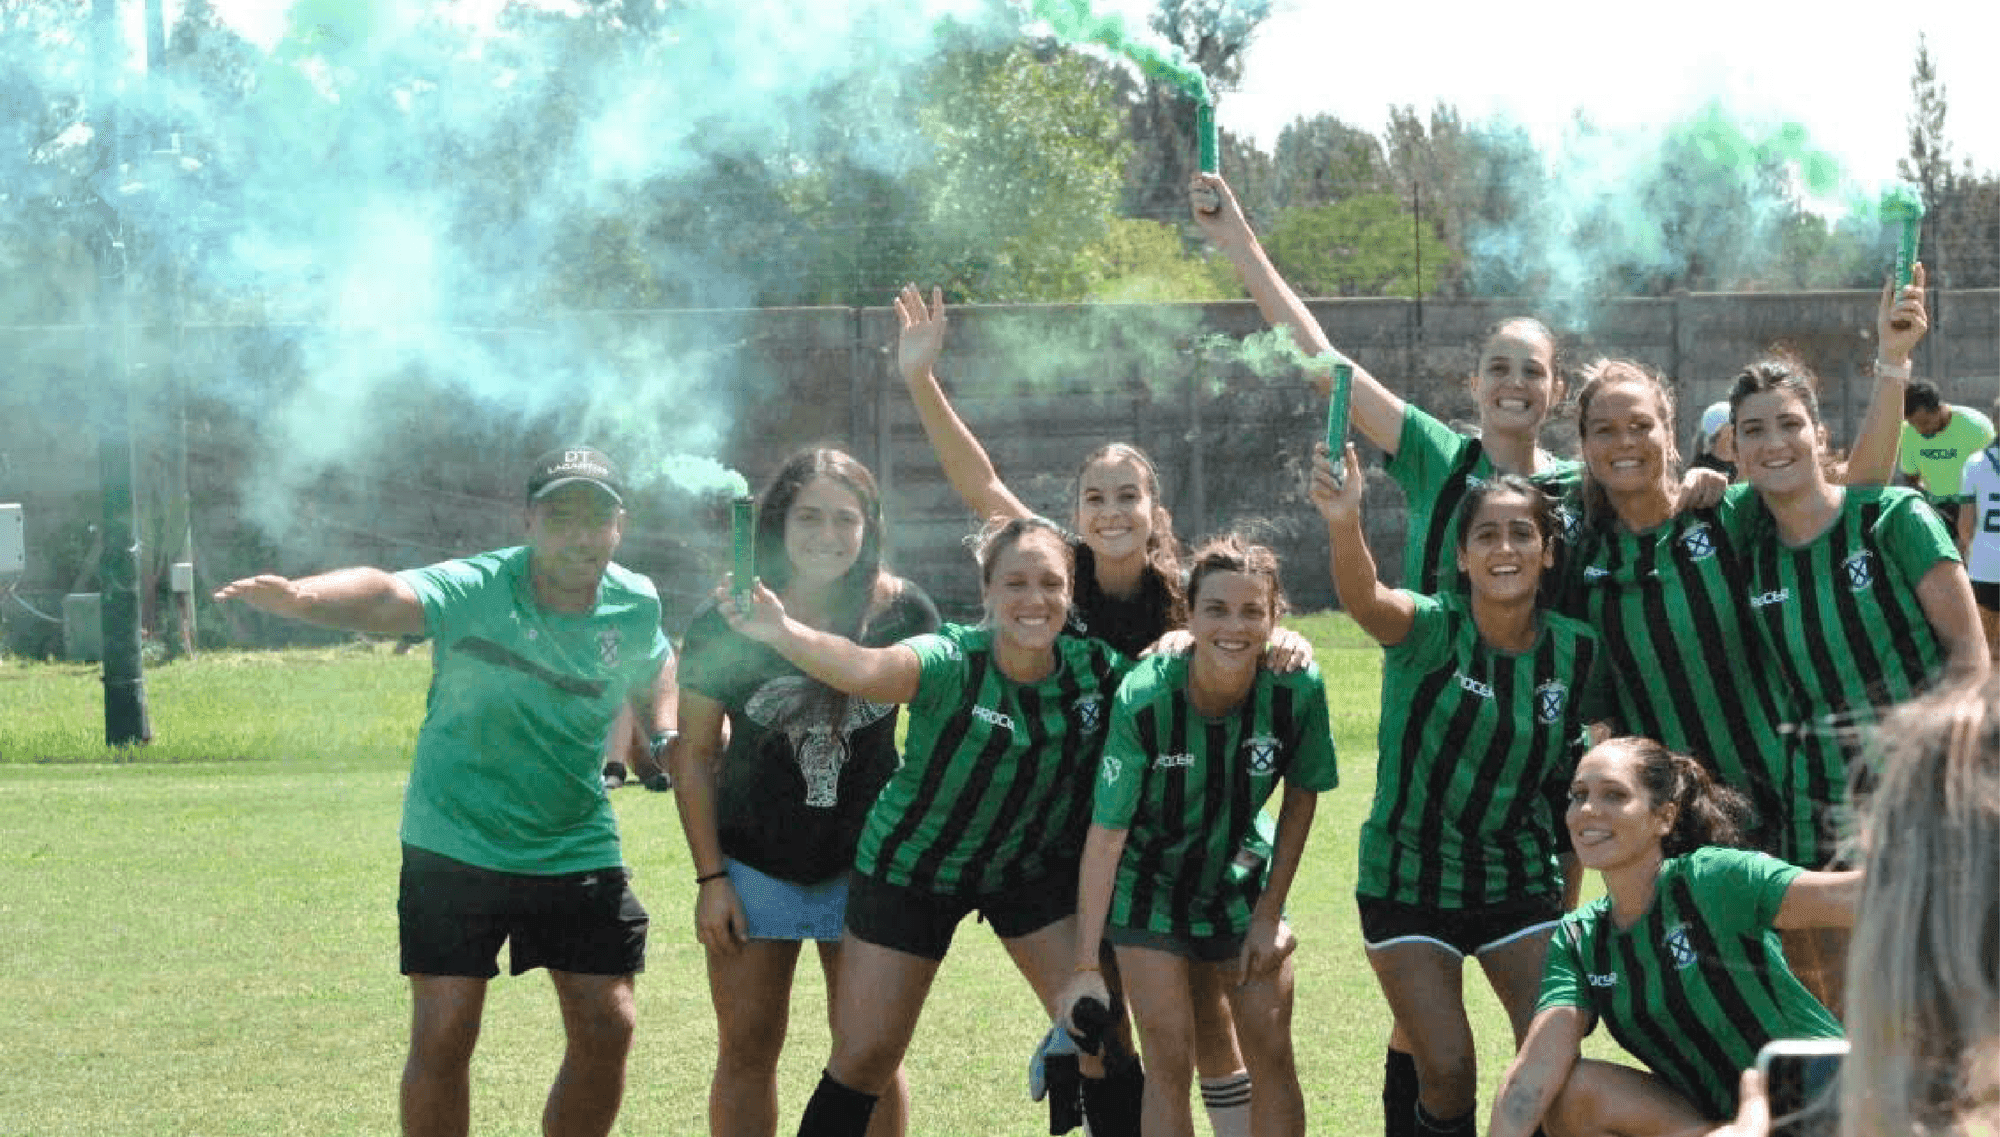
(1843, 72)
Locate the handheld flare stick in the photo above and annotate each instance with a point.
(1905, 205)
(1336, 417)
(743, 535)
(1205, 199)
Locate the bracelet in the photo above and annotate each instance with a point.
(1082, 970)
(1893, 370)
(706, 877)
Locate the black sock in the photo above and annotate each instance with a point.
(1111, 1103)
(836, 1111)
(1399, 1094)
(1428, 1126)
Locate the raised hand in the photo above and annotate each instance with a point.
(1337, 497)
(921, 339)
(1900, 318)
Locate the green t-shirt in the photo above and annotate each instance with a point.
(1839, 620)
(508, 770)
(1682, 650)
(1475, 750)
(1435, 465)
(1187, 789)
(994, 789)
(1699, 983)
(1940, 458)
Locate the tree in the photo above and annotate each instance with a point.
(1213, 35)
(1321, 160)
(1929, 163)
(1365, 245)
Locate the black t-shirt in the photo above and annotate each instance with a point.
(1129, 625)
(804, 761)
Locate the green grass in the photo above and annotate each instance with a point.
(201, 933)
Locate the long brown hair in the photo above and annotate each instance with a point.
(866, 588)
(1596, 377)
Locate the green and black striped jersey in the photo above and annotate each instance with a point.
(994, 789)
(1840, 620)
(1475, 747)
(1435, 465)
(1681, 652)
(1699, 983)
(1187, 789)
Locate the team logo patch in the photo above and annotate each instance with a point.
(1262, 751)
(1678, 947)
(1699, 542)
(1860, 570)
(1110, 768)
(607, 647)
(1568, 524)
(1549, 700)
(1089, 713)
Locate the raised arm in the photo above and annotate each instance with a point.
(1871, 461)
(1538, 1071)
(1820, 900)
(1373, 409)
(965, 463)
(878, 674)
(1383, 612)
(360, 599)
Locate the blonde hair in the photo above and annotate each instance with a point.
(1923, 971)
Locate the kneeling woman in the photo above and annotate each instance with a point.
(1679, 958)
(986, 813)
(1175, 859)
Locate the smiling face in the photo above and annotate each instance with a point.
(572, 532)
(1502, 550)
(823, 531)
(1778, 442)
(1027, 590)
(1613, 822)
(1230, 617)
(1516, 382)
(1115, 504)
(1626, 438)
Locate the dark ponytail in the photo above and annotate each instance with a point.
(1706, 812)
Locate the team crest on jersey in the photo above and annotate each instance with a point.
(1089, 713)
(607, 647)
(1549, 700)
(1262, 752)
(1568, 524)
(1860, 570)
(1699, 542)
(1678, 947)
(1109, 769)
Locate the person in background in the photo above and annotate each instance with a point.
(1715, 441)
(1979, 537)
(507, 834)
(1938, 437)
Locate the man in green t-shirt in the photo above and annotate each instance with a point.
(507, 834)
(1938, 437)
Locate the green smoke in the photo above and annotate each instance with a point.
(1074, 22)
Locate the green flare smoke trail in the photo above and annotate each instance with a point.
(1074, 22)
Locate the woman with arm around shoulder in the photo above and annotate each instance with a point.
(1678, 958)
(986, 813)
(1175, 872)
(1458, 854)
(772, 819)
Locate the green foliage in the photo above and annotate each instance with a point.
(1366, 245)
(1143, 261)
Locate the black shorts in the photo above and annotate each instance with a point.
(452, 918)
(1987, 593)
(1466, 931)
(921, 923)
(1200, 949)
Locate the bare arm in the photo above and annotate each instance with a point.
(1968, 526)
(1096, 874)
(360, 599)
(1269, 941)
(1383, 612)
(965, 461)
(1872, 459)
(695, 760)
(1820, 900)
(1538, 1071)
(1373, 409)
(1945, 593)
(878, 674)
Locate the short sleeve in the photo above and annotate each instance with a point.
(1426, 450)
(1121, 772)
(1913, 536)
(1742, 890)
(1314, 766)
(1429, 640)
(1906, 450)
(1562, 967)
(940, 671)
(445, 585)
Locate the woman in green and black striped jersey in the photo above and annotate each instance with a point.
(1679, 958)
(1484, 696)
(1858, 593)
(1176, 872)
(986, 813)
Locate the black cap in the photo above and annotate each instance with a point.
(575, 464)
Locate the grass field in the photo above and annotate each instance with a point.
(200, 935)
